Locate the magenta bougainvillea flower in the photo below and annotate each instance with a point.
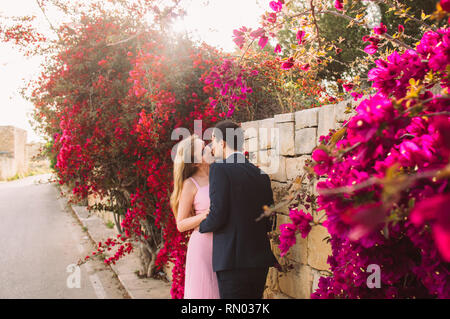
(277, 48)
(287, 64)
(257, 33)
(338, 4)
(445, 5)
(263, 41)
(323, 161)
(301, 223)
(381, 29)
(371, 49)
(348, 87)
(371, 39)
(305, 67)
(408, 235)
(356, 96)
(364, 219)
(287, 238)
(300, 35)
(301, 220)
(436, 211)
(276, 6)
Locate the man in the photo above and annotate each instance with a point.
(238, 191)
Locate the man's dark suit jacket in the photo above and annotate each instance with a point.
(238, 191)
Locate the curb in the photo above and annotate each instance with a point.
(136, 288)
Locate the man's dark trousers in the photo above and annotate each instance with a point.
(246, 283)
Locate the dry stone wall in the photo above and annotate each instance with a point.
(13, 159)
(280, 146)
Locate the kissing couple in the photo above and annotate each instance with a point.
(219, 195)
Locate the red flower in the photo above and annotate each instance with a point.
(348, 87)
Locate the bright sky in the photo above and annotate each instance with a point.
(211, 21)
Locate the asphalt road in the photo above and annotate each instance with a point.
(39, 241)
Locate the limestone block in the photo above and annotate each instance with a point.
(295, 166)
(297, 283)
(344, 111)
(269, 294)
(306, 118)
(299, 252)
(305, 140)
(253, 157)
(279, 190)
(286, 140)
(277, 167)
(283, 118)
(327, 120)
(318, 248)
(271, 164)
(250, 129)
(282, 219)
(266, 133)
(272, 279)
(251, 144)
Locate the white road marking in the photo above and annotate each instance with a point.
(98, 287)
(96, 283)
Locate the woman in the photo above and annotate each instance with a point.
(190, 204)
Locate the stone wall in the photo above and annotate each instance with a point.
(36, 162)
(13, 159)
(280, 146)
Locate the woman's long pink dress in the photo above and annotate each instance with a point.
(200, 279)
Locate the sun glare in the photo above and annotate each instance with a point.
(213, 21)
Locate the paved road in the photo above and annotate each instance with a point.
(39, 239)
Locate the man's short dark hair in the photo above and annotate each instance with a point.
(231, 133)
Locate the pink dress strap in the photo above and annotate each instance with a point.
(196, 184)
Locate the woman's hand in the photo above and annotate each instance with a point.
(204, 215)
(202, 218)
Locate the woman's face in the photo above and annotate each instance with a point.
(203, 152)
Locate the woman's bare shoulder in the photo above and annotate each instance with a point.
(189, 186)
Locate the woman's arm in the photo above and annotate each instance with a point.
(185, 221)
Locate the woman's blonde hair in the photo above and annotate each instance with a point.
(183, 168)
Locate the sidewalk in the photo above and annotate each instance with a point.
(125, 268)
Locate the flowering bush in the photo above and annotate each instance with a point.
(387, 181)
(384, 176)
(115, 88)
(110, 99)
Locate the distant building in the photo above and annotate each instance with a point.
(13, 157)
